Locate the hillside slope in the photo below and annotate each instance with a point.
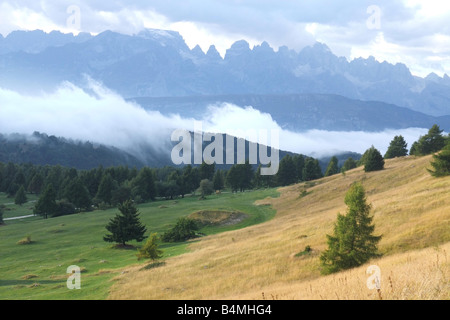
(411, 210)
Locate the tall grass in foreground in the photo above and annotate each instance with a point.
(411, 211)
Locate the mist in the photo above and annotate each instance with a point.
(98, 115)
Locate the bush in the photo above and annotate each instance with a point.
(64, 208)
(305, 252)
(206, 188)
(150, 249)
(26, 240)
(184, 230)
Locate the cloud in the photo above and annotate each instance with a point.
(98, 115)
(417, 30)
(229, 118)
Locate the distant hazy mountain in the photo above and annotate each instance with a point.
(41, 149)
(301, 112)
(158, 63)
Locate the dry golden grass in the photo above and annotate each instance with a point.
(411, 210)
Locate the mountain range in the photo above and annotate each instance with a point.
(158, 63)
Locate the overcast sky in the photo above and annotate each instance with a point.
(415, 32)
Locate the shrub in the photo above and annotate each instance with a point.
(64, 208)
(150, 249)
(307, 251)
(26, 240)
(184, 230)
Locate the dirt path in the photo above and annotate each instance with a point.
(17, 218)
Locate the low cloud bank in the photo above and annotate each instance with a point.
(99, 115)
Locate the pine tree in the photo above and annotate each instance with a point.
(150, 249)
(207, 171)
(349, 164)
(232, 178)
(373, 160)
(106, 189)
(353, 242)
(286, 174)
(126, 225)
(240, 177)
(46, 205)
(36, 184)
(2, 208)
(219, 180)
(312, 170)
(414, 149)
(21, 196)
(432, 142)
(441, 163)
(299, 163)
(78, 194)
(332, 167)
(397, 148)
(144, 185)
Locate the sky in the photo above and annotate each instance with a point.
(413, 32)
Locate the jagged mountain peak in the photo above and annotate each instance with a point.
(213, 54)
(159, 63)
(238, 48)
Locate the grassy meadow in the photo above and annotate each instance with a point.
(38, 270)
(268, 261)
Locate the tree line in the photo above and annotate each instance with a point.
(63, 190)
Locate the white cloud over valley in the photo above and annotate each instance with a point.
(101, 116)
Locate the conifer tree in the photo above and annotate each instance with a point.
(144, 185)
(2, 208)
(349, 164)
(353, 242)
(126, 225)
(219, 180)
(21, 196)
(432, 142)
(397, 148)
(312, 170)
(373, 160)
(77, 194)
(46, 205)
(441, 163)
(150, 249)
(106, 189)
(286, 174)
(332, 167)
(36, 184)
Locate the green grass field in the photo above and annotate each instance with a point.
(12, 210)
(38, 270)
